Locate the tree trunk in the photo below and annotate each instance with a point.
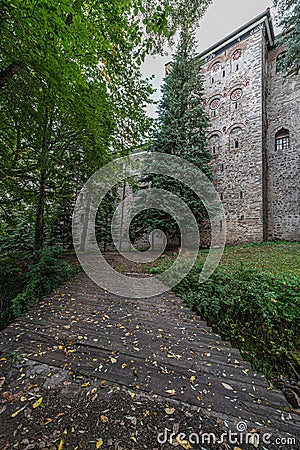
(40, 212)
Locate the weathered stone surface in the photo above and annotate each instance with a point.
(248, 103)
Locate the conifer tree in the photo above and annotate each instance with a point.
(181, 131)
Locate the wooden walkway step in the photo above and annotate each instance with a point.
(156, 345)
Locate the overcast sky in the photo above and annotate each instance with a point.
(221, 18)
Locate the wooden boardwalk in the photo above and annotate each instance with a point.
(152, 345)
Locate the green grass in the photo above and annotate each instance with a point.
(269, 257)
(273, 257)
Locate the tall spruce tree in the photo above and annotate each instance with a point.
(181, 130)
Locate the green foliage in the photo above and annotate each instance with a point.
(46, 273)
(288, 13)
(181, 131)
(256, 310)
(71, 96)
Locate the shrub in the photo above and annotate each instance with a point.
(45, 274)
(257, 311)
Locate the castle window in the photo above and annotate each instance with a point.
(214, 143)
(216, 67)
(237, 55)
(282, 139)
(236, 95)
(236, 138)
(212, 81)
(237, 67)
(214, 104)
(222, 167)
(221, 196)
(241, 194)
(224, 73)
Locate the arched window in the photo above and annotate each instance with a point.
(236, 138)
(280, 62)
(235, 98)
(215, 71)
(237, 60)
(282, 139)
(214, 106)
(214, 143)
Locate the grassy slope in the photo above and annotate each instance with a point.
(281, 257)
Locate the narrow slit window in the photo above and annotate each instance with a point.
(236, 144)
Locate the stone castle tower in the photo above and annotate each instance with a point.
(254, 133)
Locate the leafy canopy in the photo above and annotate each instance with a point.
(288, 12)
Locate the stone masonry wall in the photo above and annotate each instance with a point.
(283, 112)
(233, 84)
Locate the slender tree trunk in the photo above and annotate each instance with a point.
(40, 212)
(85, 218)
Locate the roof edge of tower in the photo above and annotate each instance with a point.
(236, 35)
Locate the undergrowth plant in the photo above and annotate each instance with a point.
(256, 310)
(45, 274)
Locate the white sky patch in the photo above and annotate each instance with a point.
(221, 19)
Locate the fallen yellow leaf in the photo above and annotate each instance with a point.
(133, 438)
(99, 443)
(192, 379)
(169, 410)
(16, 412)
(183, 443)
(61, 444)
(227, 386)
(85, 384)
(46, 421)
(37, 402)
(171, 391)
(124, 366)
(104, 419)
